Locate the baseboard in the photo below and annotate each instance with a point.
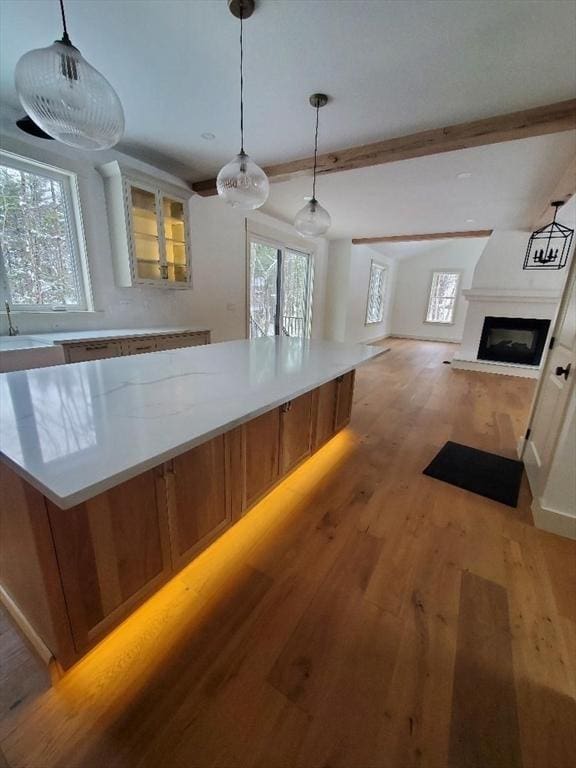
(423, 338)
(501, 369)
(375, 340)
(553, 521)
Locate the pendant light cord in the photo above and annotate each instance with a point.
(65, 38)
(315, 153)
(241, 82)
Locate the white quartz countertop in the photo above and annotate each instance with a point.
(76, 430)
(36, 340)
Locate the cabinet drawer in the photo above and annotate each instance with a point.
(96, 350)
(138, 346)
(181, 340)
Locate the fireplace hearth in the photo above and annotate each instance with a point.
(513, 340)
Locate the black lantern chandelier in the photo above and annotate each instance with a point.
(548, 247)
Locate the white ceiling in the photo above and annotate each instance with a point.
(509, 187)
(390, 67)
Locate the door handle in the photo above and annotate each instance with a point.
(563, 371)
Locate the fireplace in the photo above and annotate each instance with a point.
(513, 340)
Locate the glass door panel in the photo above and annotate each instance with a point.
(175, 239)
(295, 284)
(145, 234)
(264, 295)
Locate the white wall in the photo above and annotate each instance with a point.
(413, 281)
(347, 292)
(218, 298)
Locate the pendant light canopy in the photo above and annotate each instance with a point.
(67, 98)
(241, 183)
(314, 220)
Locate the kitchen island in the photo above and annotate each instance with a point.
(116, 473)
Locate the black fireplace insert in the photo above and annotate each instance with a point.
(513, 340)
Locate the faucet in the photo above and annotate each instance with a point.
(12, 329)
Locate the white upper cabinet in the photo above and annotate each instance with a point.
(149, 227)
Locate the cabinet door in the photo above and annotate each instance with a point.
(113, 551)
(176, 244)
(261, 444)
(79, 353)
(146, 246)
(198, 498)
(344, 399)
(295, 431)
(325, 416)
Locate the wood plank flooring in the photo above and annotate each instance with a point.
(361, 616)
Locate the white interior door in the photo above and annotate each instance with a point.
(556, 388)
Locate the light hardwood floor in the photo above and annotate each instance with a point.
(362, 615)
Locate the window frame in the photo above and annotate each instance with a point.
(71, 194)
(384, 268)
(444, 271)
(281, 247)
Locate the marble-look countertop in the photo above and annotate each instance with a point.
(37, 340)
(74, 431)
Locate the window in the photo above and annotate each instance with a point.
(280, 282)
(442, 300)
(376, 292)
(40, 266)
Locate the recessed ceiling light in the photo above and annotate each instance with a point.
(308, 198)
(464, 175)
(470, 221)
(208, 136)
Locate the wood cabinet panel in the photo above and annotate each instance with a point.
(182, 340)
(344, 400)
(295, 431)
(112, 551)
(325, 416)
(97, 350)
(198, 498)
(261, 445)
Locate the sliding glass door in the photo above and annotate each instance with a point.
(279, 288)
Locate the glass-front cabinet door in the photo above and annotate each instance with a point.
(145, 234)
(174, 218)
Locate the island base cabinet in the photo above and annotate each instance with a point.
(112, 551)
(198, 494)
(75, 574)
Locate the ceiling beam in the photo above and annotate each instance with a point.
(416, 238)
(551, 118)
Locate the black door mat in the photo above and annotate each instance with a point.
(486, 474)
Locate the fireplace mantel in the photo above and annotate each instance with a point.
(524, 296)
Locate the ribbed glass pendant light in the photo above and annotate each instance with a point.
(314, 220)
(67, 97)
(242, 183)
